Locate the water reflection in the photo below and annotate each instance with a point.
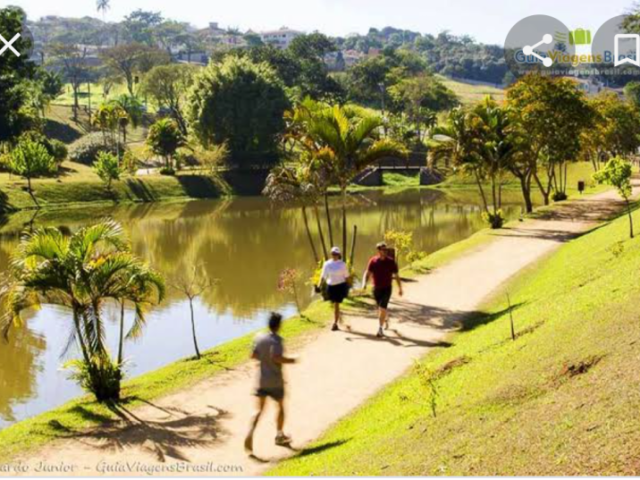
(243, 243)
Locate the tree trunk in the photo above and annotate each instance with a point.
(328, 214)
(193, 329)
(320, 232)
(630, 217)
(484, 197)
(344, 219)
(121, 339)
(525, 185)
(545, 193)
(309, 236)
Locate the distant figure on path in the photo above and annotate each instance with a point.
(383, 269)
(268, 349)
(336, 274)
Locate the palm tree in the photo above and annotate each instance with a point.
(344, 139)
(133, 112)
(103, 6)
(81, 272)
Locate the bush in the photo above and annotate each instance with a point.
(130, 163)
(86, 149)
(107, 168)
(167, 171)
(101, 377)
(57, 149)
(559, 196)
(494, 220)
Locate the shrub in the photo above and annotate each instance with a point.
(130, 163)
(495, 220)
(167, 171)
(100, 376)
(107, 168)
(86, 149)
(57, 149)
(559, 196)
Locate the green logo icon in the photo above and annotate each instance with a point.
(580, 36)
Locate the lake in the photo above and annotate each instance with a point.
(243, 243)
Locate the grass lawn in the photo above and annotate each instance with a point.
(562, 399)
(470, 94)
(80, 185)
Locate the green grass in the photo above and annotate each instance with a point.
(562, 399)
(470, 94)
(80, 185)
(391, 179)
(84, 412)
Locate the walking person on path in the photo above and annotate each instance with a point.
(384, 270)
(336, 274)
(268, 349)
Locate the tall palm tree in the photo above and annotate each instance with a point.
(81, 272)
(344, 139)
(103, 6)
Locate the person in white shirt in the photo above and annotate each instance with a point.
(336, 274)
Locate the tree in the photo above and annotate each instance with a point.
(192, 286)
(618, 172)
(14, 72)
(165, 138)
(344, 140)
(107, 168)
(615, 130)
(553, 112)
(72, 59)
(30, 159)
(132, 59)
(108, 117)
(133, 113)
(103, 6)
(239, 103)
(421, 98)
(140, 25)
(168, 85)
(80, 273)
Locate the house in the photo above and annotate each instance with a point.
(281, 38)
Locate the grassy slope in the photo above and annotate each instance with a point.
(561, 399)
(469, 93)
(79, 184)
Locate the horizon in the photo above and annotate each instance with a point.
(341, 19)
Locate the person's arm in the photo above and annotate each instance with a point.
(366, 276)
(323, 275)
(278, 356)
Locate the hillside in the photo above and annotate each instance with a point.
(562, 399)
(469, 93)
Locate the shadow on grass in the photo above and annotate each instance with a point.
(306, 452)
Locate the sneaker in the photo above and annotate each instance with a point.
(282, 440)
(335, 327)
(380, 333)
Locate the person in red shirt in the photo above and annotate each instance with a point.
(384, 270)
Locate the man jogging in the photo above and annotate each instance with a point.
(268, 349)
(383, 269)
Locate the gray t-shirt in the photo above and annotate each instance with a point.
(265, 347)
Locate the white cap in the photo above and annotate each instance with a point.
(336, 250)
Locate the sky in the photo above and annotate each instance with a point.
(486, 21)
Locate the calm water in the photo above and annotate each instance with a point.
(243, 243)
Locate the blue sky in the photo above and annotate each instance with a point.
(487, 21)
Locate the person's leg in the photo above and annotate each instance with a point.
(336, 315)
(281, 438)
(248, 442)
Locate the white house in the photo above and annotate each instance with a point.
(280, 38)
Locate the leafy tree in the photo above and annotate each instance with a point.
(615, 130)
(14, 71)
(139, 26)
(108, 117)
(421, 98)
(553, 112)
(80, 273)
(632, 92)
(103, 6)
(618, 172)
(107, 168)
(167, 85)
(165, 138)
(131, 59)
(133, 113)
(30, 159)
(239, 103)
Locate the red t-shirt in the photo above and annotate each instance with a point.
(382, 270)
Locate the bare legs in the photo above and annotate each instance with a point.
(248, 443)
(336, 315)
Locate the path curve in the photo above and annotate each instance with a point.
(200, 430)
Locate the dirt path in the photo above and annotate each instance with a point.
(203, 427)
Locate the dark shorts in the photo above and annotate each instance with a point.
(337, 293)
(276, 393)
(382, 296)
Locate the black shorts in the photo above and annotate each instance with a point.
(276, 393)
(337, 293)
(382, 296)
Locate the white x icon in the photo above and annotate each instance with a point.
(9, 45)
